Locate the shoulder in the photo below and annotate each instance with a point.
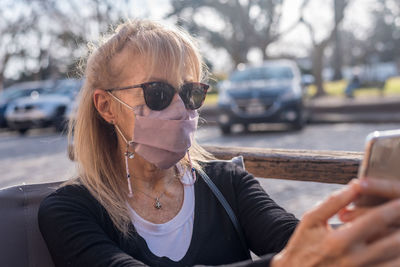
(228, 174)
(222, 167)
(68, 200)
(72, 191)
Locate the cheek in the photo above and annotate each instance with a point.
(128, 122)
(126, 116)
(133, 98)
(125, 120)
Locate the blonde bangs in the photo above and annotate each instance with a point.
(170, 51)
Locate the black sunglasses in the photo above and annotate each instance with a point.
(158, 95)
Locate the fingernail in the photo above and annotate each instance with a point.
(354, 183)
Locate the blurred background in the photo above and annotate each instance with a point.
(295, 74)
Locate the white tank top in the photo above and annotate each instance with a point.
(170, 239)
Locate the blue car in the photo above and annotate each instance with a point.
(271, 92)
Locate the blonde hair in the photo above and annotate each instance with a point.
(95, 146)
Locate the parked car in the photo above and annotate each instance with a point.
(46, 110)
(271, 92)
(307, 79)
(70, 112)
(18, 90)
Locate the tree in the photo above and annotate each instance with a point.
(45, 37)
(318, 47)
(12, 29)
(384, 40)
(337, 46)
(74, 27)
(354, 50)
(245, 24)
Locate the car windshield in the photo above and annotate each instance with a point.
(12, 94)
(262, 73)
(68, 88)
(9, 93)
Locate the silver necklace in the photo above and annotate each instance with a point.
(157, 204)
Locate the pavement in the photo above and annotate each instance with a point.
(331, 109)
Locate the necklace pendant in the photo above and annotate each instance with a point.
(157, 204)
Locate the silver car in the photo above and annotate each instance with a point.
(19, 90)
(44, 110)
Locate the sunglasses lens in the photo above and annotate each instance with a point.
(193, 94)
(158, 95)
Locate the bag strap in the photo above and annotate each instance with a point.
(227, 208)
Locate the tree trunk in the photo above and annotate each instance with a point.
(339, 7)
(4, 62)
(239, 57)
(265, 53)
(319, 48)
(317, 68)
(337, 57)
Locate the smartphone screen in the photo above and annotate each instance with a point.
(381, 161)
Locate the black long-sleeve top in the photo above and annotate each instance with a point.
(79, 232)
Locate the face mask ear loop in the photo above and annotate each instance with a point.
(119, 131)
(120, 101)
(126, 105)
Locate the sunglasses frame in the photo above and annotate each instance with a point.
(188, 105)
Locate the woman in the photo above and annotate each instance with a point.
(139, 200)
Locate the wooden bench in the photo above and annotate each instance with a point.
(375, 85)
(337, 167)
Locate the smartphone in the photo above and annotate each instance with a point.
(381, 161)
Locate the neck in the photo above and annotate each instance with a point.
(145, 176)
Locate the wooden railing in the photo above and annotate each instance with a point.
(337, 167)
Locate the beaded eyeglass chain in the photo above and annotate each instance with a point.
(128, 155)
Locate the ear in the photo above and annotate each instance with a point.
(102, 102)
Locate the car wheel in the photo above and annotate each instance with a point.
(297, 126)
(246, 128)
(225, 129)
(61, 126)
(22, 131)
(299, 123)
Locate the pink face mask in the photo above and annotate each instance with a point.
(162, 137)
